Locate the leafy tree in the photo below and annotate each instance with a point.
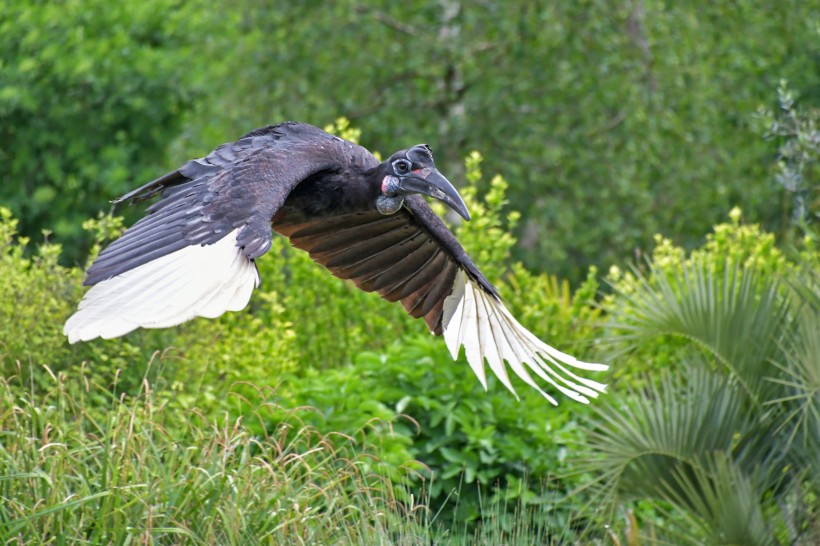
(91, 95)
(612, 121)
(796, 130)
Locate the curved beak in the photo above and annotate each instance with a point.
(431, 182)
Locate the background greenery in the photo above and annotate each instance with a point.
(325, 415)
(616, 120)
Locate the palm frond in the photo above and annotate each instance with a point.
(799, 382)
(695, 440)
(736, 316)
(798, 397)
(723, 501)
(640, 441)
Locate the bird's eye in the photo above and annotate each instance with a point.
(401, 166)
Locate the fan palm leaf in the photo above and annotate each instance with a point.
(724, 502)
(735, 315)
(641, 441)
(799, 381)
(716, 435)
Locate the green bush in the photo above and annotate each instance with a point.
(477, 449)
(795, 129)
(35, 294)
(373, 374)
(369, 379)
(404, 398)
(714, 417)
(616, 120)
(92, 94)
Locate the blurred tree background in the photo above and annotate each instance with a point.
(322, 414)
(612, 120)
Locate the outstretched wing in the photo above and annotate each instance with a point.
(239, 185)
(192, 254)
(413, 258)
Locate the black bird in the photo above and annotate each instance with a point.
(193, 253)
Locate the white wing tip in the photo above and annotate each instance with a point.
(198, 280)
(488, 331)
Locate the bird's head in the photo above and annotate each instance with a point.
(413, 171)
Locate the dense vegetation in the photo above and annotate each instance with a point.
(263, 424)
(325, 415)
(616, 120)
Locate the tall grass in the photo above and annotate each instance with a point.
(142, 471)
(82, 464)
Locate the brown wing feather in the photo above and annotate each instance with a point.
(416, 247)
(391, 255)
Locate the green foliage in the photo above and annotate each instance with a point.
(333, 319)
(304, 343)
(200, 360)
(310, 340)
(728, 435)
(662, 292)
(724, 440)
(78, 463)
(478, 450)
(713, 311)
(35, 292)
(438, 415)
(487, 237)
(141, 471)
(152, 390)
(91, 95)
(799, 364)
(485, 465)
(612, 120)
(799, 152)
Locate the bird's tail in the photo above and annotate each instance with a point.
(195, 281)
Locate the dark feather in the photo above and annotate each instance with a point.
(311, 187)
(349, 265)
(407, 269)
(442, 286)
(350, 236)
(409, 256)
(239, 185)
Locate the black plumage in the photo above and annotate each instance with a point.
(362, 219)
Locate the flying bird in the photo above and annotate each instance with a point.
(193, 253)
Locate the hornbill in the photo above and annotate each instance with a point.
(193, 253)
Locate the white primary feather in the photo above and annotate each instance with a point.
(486, 329)
(196, 281)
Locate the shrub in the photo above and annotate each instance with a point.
(373, 376)
(725, 438)
(92, 94)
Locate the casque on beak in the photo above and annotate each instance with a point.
(429, 181)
